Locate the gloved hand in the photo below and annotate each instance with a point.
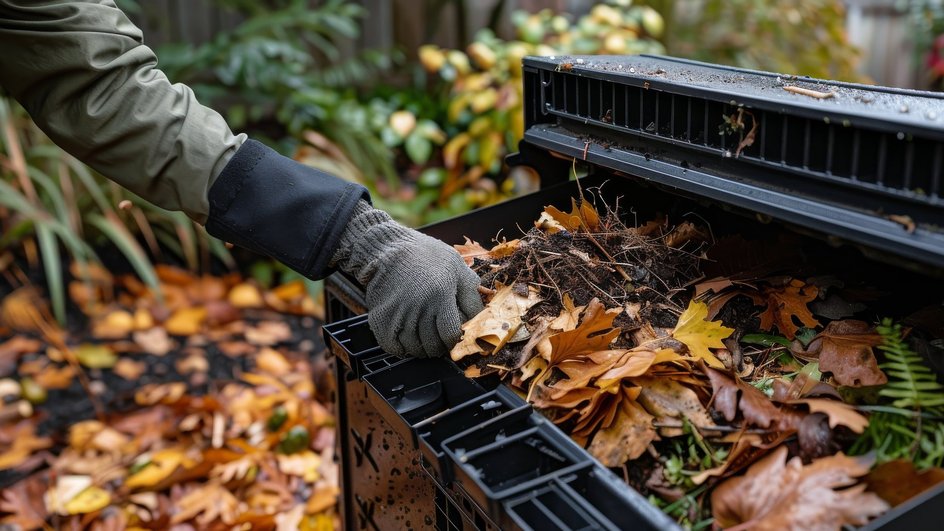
(419, 290)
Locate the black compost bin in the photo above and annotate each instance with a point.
(421, 446)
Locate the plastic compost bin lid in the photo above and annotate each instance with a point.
(861, 163)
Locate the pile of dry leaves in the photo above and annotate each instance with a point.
(194, 408)
(725, 399)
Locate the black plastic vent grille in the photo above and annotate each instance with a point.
(903, 164)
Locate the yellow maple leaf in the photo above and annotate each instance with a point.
(88, 501)
(162, 464)
(699, 334)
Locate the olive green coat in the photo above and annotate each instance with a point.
(82, 71)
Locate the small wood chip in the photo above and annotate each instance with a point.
(811, 93)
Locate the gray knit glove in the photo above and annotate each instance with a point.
(419, 290)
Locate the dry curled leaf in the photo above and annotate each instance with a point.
(786, 303)
(839, 413)
(130, 369)
(268, 333)
(470, 250)
(626, 438)
(25, 443)
(206, 504)
(186, 321)
(158, 467)
(154, 341)
(733, 395)
(114, 325)
(498, 323)
(776, 494)
(594, 334)
(670, 401)
(844, 348)
(23, 503)
(580, 216)
(245, 295)
(699, 334)
(55, 376)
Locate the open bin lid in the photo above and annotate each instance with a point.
(858, 163)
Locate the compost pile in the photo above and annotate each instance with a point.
(721, 379)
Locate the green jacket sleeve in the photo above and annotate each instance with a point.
(81, 70)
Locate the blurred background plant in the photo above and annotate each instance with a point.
(59, 216)
(481, 91)
(804, 38)
(928, 19)
(282, 73)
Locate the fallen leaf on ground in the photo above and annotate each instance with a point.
(669, 402)
(12, 349)
(500, 319)
(273, 362)
(23, 501)
(160, 393)
(245, 295)
(786, 303)
(114, 325)
(64, 490)
(898, 481)
(699, 334)
(143, 319)
(582, 215)
(268, 333)
(154, 341)
(236, 348)
(324, 498)
(186, 321)
(130, 369)
(158, 467)
(839, 413)
(206, 504)
(175, 276)
(627, 437)
(303, 464)
(96, 356)
(55, 376)
(776, 494)
(220, 313)
(731, 395)
(194, 362)
(844, 348)
(88, 501)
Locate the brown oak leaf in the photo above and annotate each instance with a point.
(786, 303)
(731, 395)
(24, 503)
(844, 349)
(776, 494)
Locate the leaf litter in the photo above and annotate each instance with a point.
(206, 415)
(721, 378)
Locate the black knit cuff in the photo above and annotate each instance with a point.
(275, 206)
